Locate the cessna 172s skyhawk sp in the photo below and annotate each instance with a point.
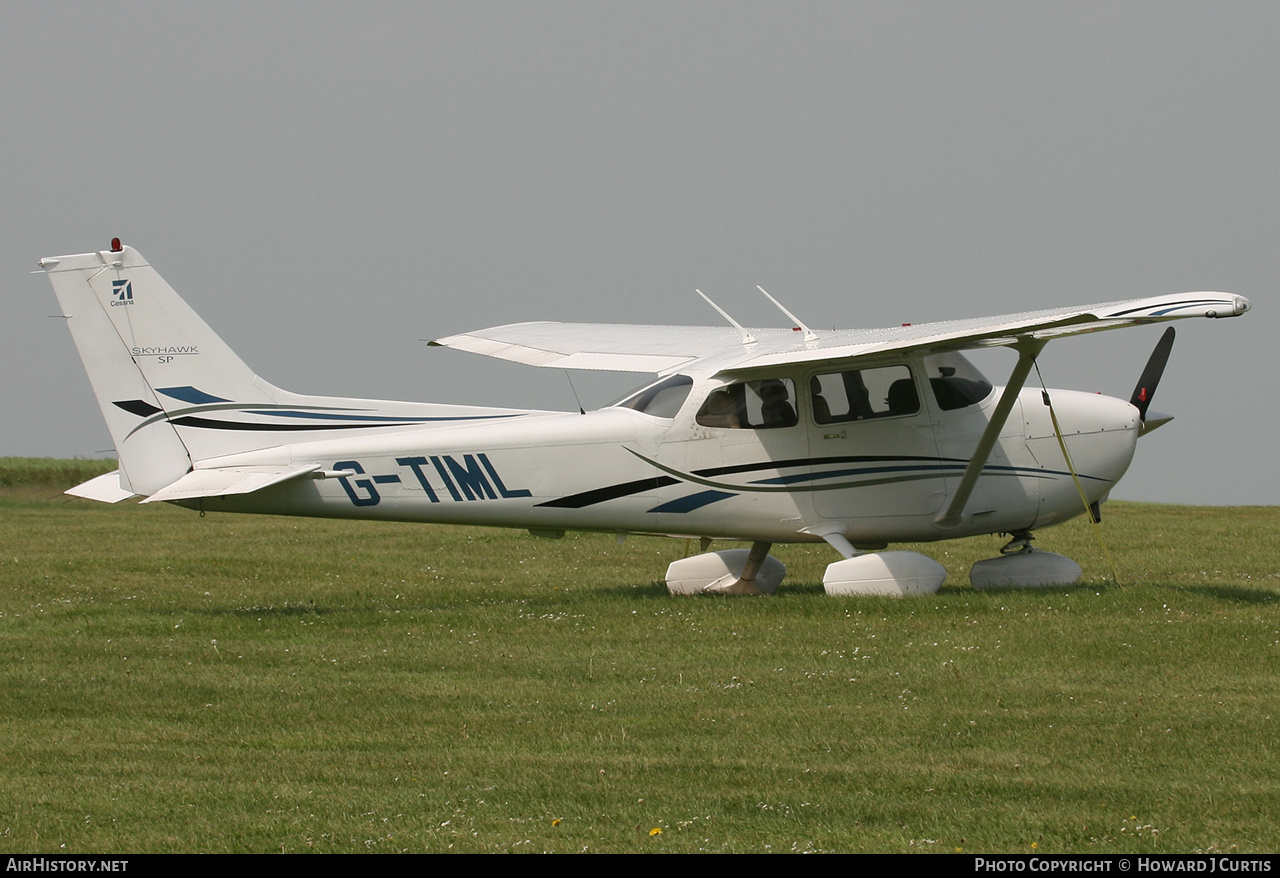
(859, 438)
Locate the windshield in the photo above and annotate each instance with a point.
(955, 381)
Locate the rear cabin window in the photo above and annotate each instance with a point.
(751, 405)
(860, 394)
(661, 399)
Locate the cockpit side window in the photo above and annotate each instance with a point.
(661, 399)
(859, 394)
(752, 405)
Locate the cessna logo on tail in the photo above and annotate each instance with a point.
(123, 291)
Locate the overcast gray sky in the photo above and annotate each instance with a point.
(328, 183)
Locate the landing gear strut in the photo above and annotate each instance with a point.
(1021, 542)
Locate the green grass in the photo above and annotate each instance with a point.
(177, 683)
(49, 472)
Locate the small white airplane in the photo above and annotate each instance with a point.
(859, 438)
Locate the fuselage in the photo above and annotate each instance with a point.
(875, 453)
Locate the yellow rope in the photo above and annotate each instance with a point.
(1057, 431)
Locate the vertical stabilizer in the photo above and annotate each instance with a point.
(148, 355)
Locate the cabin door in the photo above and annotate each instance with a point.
(872, 444)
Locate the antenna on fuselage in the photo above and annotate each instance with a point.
(581, 410)
(747, 338)
(809, 334)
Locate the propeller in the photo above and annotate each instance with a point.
(1150, 377)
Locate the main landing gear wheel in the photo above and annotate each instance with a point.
(886, 574)
(731, 571)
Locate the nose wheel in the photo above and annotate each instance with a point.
(1022, 566)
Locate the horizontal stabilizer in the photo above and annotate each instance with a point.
(229, 480)
(104, 488)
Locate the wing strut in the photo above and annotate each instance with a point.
(1028, 349)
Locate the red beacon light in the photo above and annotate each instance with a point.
(116, 247)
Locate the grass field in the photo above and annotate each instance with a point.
(177, 683)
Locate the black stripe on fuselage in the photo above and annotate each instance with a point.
(209, 424)
(822, 461)
(613, 492)
(137, 407)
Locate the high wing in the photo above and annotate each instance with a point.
(609, 347)
(704, 350)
